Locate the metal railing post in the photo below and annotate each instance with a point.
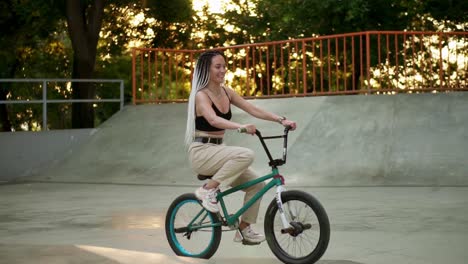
(44, 101)
(368, 61)
(44, 105)
(121, 94)
(134, 75)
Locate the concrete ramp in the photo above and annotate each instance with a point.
(385, 140)
(400, 140)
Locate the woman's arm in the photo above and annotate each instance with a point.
(257, 112)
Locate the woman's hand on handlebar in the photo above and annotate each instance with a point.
(289, 123)
(248, 128)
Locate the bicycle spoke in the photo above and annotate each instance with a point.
(292, 216)
(308, 236)
(303, 243)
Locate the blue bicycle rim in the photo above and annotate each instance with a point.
(176, 241)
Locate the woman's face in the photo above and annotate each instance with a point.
(217, 69)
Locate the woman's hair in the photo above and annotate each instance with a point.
(201, 78)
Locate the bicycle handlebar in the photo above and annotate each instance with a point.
(244, 130)
(273, 162)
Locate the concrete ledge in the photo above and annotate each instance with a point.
(26, 153)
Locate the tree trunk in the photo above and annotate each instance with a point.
(5, 124)
(82, 113)
(84, 24)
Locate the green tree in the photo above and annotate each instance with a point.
(85, 19)
(34, 34)
(447, 10)
(291, 19)
(25, 24)
(173, 22)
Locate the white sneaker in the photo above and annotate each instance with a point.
(250, 236)
(208, 198)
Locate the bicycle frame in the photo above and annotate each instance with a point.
(276, 180)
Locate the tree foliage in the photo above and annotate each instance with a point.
(447, 10)
(36, 29)
(26, 26)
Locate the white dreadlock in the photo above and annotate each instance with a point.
(201, 78)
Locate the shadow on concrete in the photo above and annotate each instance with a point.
(337, 262)
(273, 261)
(47, 254)
(58, 254)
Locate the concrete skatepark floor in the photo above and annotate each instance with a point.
(390, 171)
(109, 223)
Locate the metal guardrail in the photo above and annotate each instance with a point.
(44, 101)
(353, 63)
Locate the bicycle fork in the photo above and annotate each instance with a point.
(279, 202)
(293, 228)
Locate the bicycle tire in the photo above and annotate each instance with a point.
(310, 208)
(205, 240)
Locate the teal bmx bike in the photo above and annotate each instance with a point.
(296, 225)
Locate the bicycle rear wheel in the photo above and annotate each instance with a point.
(306, 240)
(189, 228)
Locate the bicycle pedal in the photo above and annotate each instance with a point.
(248, 243)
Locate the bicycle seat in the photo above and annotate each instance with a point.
(204, 177)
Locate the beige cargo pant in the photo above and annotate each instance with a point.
(229, 166)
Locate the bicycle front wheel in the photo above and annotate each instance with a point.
(191, 230)
(306, 239)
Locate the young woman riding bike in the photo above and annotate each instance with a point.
(209, 115)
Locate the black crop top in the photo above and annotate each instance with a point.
(203, 125)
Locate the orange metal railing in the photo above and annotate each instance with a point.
(365, 62)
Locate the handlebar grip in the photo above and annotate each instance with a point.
(242, 130)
